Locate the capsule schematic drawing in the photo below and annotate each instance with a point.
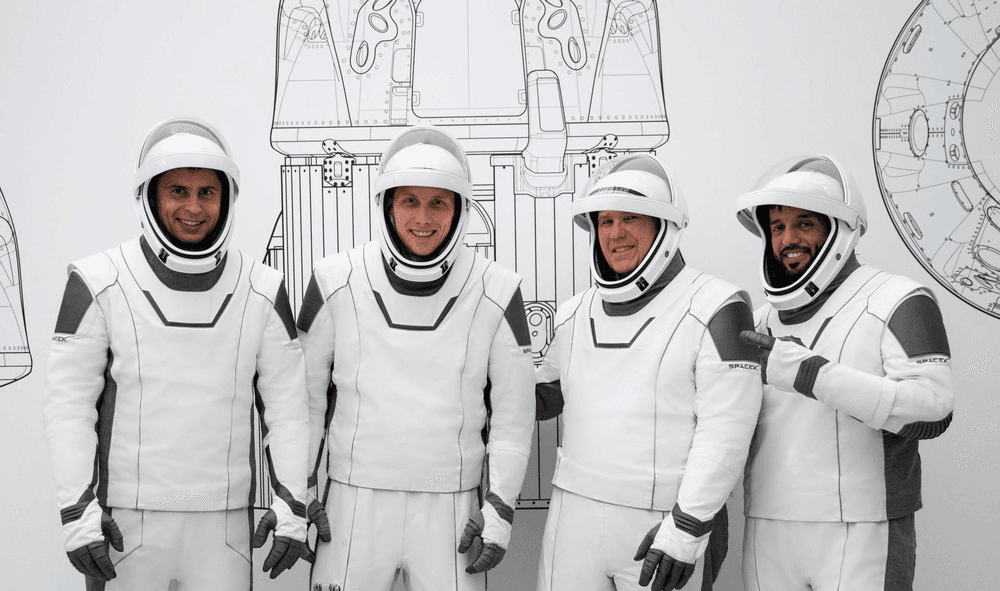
(936, 135)
(15, 355)
(539, 93)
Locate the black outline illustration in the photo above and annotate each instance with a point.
(15, 355)
(937, 145)
(539, 92)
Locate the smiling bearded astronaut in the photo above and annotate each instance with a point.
(856, 367)
(658, 396)
(419, 372)
(162, 347)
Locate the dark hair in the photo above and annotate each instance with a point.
(824, 220)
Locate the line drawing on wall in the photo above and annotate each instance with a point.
(15, 356)
(936, 135)
(539, 93)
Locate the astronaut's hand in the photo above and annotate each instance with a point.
(92, 559)
(490, 553)
(317, 516)
(671, 549)
(786, 363)
(492, 525)
(284, 550)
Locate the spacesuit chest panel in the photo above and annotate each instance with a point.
(811, 462)
(616, 401)
(180, 358)
(415, 313)
(195, 309)
(410, 374)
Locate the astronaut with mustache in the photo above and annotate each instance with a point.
(856, 369)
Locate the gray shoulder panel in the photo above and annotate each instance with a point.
(919, 327)
(75, 303)
(284, 311)
(725, 328)
(517, 320)
(312, 302)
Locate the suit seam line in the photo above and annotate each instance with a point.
(357, 388)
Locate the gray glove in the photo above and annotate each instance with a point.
(92, 559)
(284, 550)
(317, 516)
(671, 549)
(488, 554)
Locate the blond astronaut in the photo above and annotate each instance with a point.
(419, 374)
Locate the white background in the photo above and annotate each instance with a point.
(747, 84)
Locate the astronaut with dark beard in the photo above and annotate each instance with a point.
(856, 367)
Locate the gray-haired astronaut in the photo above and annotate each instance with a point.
(658, 395)
(419, 373)
(161, 347)
(857, 370)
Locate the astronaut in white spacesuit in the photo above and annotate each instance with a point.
(162, 347)
(419, 373)
(658, 396)
(856, 367)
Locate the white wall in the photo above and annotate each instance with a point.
(747, 84)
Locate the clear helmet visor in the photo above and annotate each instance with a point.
(640, 184)
(185, 143)
(396, 243)
(776, 277)
(604, 273)
(817, 185)
(422, 156)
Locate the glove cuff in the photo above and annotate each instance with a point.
(679, 544)
(497, 524)
(690, 524)
(85, 529)
(289, 524)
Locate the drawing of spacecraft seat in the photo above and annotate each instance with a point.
(341, 66)
(349, 69)
(15, 357)
(605, 58)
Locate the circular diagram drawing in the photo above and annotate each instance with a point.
(936, 135)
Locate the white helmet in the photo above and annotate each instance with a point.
(422, 156)
(185, 143)
(636, 183)
(813, 183)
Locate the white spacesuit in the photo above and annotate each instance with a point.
(419, 375)
(161, 349)
(857, 370)
(658, 396)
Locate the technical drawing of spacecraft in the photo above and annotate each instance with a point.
(15, 357)
(937, 145)
(539, 92)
